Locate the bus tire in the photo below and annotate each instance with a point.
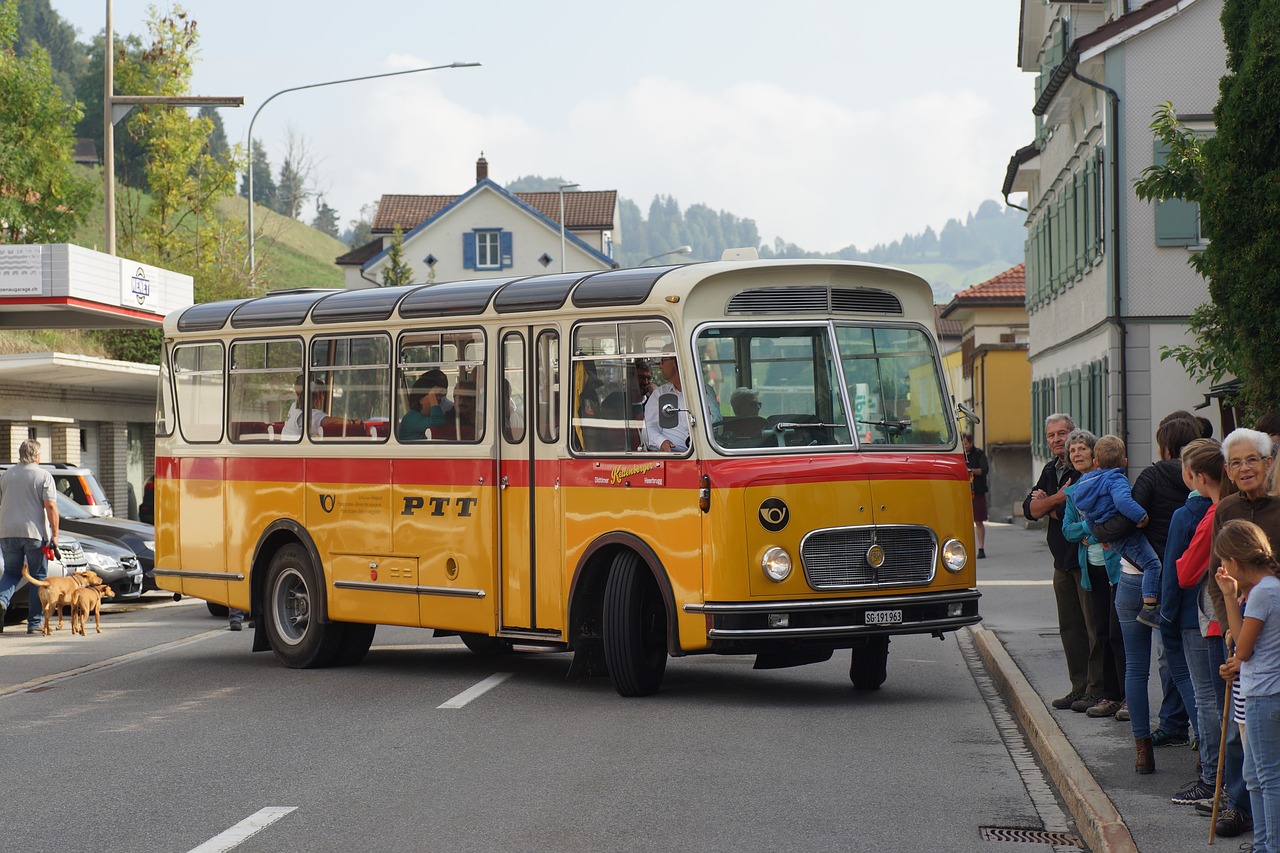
(218, 611)
(357, 637)
(483, 644)
(635, 628)
(869, 666)
(291, 607)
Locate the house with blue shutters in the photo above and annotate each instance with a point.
(488, 232)
(1108, 285)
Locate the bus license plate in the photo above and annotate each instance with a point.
(882, 617)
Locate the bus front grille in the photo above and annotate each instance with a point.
(837, 557)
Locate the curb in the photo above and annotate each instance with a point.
(1097, 820)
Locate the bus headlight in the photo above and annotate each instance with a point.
(776, 564)
(954, 555)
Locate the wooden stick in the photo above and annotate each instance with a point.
(1222, 751)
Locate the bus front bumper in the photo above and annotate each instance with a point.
(829, 621)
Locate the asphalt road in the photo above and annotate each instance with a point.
(165, 733)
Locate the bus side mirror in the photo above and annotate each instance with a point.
(668, 411)
(968, 413)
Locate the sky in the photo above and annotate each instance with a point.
(827, 122)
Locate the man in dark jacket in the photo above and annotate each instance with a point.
(1075, 619)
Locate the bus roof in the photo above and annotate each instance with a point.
(747, 288)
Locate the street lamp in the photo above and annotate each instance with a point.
(563, 187)
(680, 250)
(249, 182)
(116, 107)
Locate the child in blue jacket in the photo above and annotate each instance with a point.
(1104, 494)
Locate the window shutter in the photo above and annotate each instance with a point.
(469, 250)
(504, 245)
(1177, 221)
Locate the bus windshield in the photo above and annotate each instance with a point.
(782, 386)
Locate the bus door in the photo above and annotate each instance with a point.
(528, 479)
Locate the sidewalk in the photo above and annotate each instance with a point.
(1090, 760)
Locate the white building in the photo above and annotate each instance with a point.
(488, 232)
(1108, 284)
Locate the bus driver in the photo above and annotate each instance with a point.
(674, 438)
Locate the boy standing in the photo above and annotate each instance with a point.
(1105, 499)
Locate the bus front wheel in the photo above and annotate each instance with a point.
(292, 610)
(356, 640)
(635, 628)
(870, 664)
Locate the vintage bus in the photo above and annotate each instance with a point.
(489, 459)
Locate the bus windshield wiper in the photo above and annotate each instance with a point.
(888, 424)
(786, 426)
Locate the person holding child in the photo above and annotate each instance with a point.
(1249, 570)
(1102, 496)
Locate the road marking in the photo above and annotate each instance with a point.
(1015, 583)
(476, 691)
(46, 680)
(250, 826)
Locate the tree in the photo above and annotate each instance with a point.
(264, 186)
(296, 184)
(219, 148)
(397, 271)
(326, 218)
(360, 231)
(129, 150)
(40, 25)
(1235, 177)
(42, 197)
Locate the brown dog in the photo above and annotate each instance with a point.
(86, 600)
(55, 592)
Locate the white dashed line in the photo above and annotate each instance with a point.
(476, 691)
(251, 825)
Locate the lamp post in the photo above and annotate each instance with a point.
(563, 187)
(249, 182)
(115, 108)
(679, 250)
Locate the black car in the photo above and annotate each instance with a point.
(137, 537)
(115, 564)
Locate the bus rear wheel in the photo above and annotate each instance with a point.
(219, 611)
(292, 611)
(869, 666)
(635, 628)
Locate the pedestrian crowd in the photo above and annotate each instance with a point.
(1183, 561)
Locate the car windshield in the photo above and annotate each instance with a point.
(68, 508)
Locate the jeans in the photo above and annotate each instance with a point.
(1137, 653)
(1178, 707)
(1233, 759)
(16, 551)
(1137, 550)
(1208, 714)
(1262, 767)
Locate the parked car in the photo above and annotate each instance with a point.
(115, 564)
(77, 483)
(138, 537)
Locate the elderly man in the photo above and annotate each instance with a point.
(1075, 616)
(28, 522)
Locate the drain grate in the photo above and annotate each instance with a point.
(1029, 836)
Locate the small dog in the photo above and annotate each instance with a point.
(56, 592)
(86, 600)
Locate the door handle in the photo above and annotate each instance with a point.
(502, 484)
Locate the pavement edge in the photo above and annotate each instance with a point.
(1097, 819)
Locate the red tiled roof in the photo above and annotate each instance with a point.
(1008, 288)
(944, 327)
(584, 210)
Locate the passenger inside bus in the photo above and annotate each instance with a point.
(667, 431)
(428, 406)
(460, 423)
(746, 423)
(320, 420)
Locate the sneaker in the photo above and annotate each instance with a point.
(34, 629)
(982, 553)
(1066, 702)
(1206, 809)
(1123, 714)
(1195, 793)
(1160, 737)
(1149, 615)
(235, 625)
(1104, 708)
(1232, 822)
(1085, 702)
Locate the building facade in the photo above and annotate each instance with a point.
(1108, 284)
(488, 232)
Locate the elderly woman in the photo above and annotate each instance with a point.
(1100, 571)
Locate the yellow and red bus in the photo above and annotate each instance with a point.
(487, 458)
